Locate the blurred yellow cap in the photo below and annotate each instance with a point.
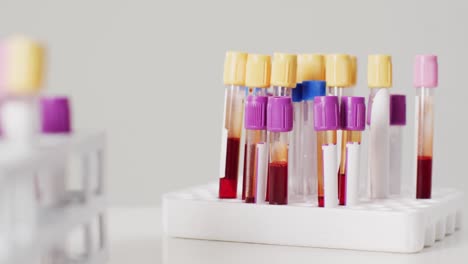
(234, 68)
(284, 70)
(338, 71)
(24, 65)
(379, 71)
(354, 69)
(258, 71)
(310, 67)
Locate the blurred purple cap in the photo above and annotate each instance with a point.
(353, 113)
(326, 113)
(279, 114)
(255, 112)
(397, 110)
(55, 115)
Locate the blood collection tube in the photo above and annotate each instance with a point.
(257, 81)
(56, 122)
(257, 155)
(339, 80)
(295, 148)
(283, 81)
(279, 124)
(283, 74)
(326, 123)
(22, 81)
(353, 121)
(310, 90)
(397, 122)
(310, 67)
(379, 80)
(234, 79)
(425, 80)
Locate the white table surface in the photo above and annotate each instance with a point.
(136, 237)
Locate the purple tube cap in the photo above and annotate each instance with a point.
(353, 113)
(326, 113)
(55, 115)
(255, 112)
(397, 110)
(279, 114)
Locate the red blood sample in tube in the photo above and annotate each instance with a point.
(228, 184)
(278, 183)
(424, 177)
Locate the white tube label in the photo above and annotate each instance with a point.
(330, 176)
(262, 168)
(222, 161)
(352, 173)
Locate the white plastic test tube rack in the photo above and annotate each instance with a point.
(53, 226)
(398, 224)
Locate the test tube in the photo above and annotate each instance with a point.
(310, 67)
(283, 74)
(234, 79)
(353, 122)
(425, 80)
(397, 122)
(257, 155)
(22, 77)
(295, 148)
(379, 80)
(257, 81)
(56, 122)
(279, 124)
(310, 90)
(326, 123)
(339, 80)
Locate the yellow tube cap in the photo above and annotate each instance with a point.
(379, 71)
(310, 67)
(234, 68)
(24, 65)
(353, 60)
(258, 71)
(284, 70)
(338, 70)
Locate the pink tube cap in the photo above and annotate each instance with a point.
(425, 71)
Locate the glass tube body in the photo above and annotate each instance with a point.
(295, 151)
(425, 130)
(348, 136)
(233, 114)
(339, 91)
(323, 138)
(256, 140)
(309, 150)
(278, 168)
(396, 151)
(281, 91)
(252, 92)
(20, 129)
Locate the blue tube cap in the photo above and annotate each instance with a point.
(311, 89)
(296, 94)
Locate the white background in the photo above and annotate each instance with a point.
(150, 72)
